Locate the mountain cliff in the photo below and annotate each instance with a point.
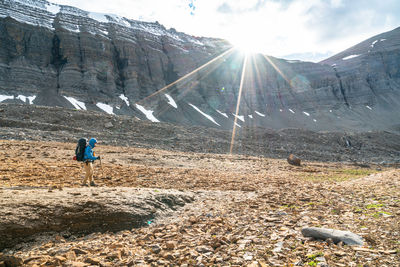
(62, 56)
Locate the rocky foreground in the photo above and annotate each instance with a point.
(244, 210)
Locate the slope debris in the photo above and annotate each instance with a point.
(246, 210)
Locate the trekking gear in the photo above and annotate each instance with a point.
(80, 149)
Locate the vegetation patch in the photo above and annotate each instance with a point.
(338, 175)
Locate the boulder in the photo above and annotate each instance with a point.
(293, 160)
(336, 236)
(28, 212)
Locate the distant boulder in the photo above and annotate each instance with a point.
(293, 160)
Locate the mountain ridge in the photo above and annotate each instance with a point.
(97, 62)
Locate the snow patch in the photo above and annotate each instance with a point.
(280, 110)
(259, 114)
(333, 65)
(330, 110)
(76, 103)
(308, 114)
(250, 116)
(148, 113)
(123, 97)
(368, 107)
(223, 114)
(291, 111)
(349, 57)
(5, 97)
(107, 108)
(373, 43)
(314, 120)
(238, 125)
(31, 98)
(52, 8)
(204, 114)
(171, 101)
(240, 117)
(100, 17)
(383, 40)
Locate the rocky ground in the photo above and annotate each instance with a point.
(246, 210)
(29, 122)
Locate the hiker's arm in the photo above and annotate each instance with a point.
(89, 154)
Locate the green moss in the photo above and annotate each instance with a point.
(374, 206)
(339, 175)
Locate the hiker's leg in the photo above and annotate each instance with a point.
(90, 172)
(87, 172)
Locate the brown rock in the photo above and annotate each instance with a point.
(293, 160)
(193, 220)
(60, 258)
(78, 264)
(94, 261)
(79, 251)
(11, 261)
(70, 255)
(170, 245)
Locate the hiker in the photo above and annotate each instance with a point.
(88, 159)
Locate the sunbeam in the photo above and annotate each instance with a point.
(186, 76)
(238, 103)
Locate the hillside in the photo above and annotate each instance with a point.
(63, 56)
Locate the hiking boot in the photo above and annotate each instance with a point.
(92, 184)
(84, 184)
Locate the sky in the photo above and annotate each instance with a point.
(294, 29)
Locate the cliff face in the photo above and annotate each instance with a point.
(61, 50)
(64, 56)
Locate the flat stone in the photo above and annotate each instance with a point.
(155, 248)
(108, 125)
(337, 236)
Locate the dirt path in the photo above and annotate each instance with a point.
(249, 210)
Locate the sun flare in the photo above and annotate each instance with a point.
(249, 43)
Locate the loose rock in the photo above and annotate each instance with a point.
(337, 236)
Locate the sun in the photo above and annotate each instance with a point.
(248, 42)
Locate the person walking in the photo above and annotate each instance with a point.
(88, 159)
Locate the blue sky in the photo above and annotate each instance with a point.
(302, 29)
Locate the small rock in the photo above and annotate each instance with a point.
(204, 249)
(193, 220)
(77, 264)
(60, 258)
(293, 160)
(168, 256)
(337, 236)
(247, 256)
(278, 247)
(155, 248)
(170, 245)
(94, 261)
(79, 251)
(70, 255)
(108, 125)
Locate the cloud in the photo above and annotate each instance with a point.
(240, 6)
(225, 8)
(333, 20)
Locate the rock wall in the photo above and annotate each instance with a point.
(111, 64)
